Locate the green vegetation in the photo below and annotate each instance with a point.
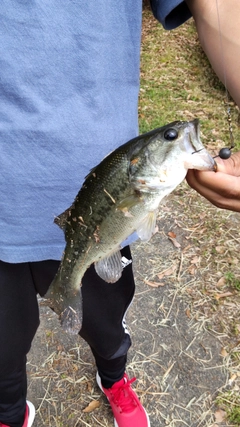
(232, 280)
(230, 402)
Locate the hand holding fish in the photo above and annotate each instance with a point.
(222, 189)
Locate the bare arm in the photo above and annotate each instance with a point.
(218, 26)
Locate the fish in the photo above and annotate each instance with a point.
(119, 197)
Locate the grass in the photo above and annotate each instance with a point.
(232, 280)
(230, 401)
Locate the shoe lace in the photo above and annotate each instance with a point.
(123, 397)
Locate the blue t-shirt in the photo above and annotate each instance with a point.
(69, 82)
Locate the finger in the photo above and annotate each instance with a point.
(230, 166)
(220, 189)
(222, 202)
(221, 183)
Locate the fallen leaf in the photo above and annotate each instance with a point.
(202, 231)
(154, 284)
(234, 261)
(175, 242)
(224, 352)
(94, 404)
(221, 282)
(232, 379)
(186, 249)
(220, 249)
(172, 235)
(89, 386)
(167, 272)
(223, 295)
(192, 270)
(220, 415)
(195, 259)
(188, 313)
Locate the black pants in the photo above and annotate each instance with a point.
(104, 306)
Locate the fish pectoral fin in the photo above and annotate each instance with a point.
(148, 226)
(110, 268)
(128, 203)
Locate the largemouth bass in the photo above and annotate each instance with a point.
(120, 196)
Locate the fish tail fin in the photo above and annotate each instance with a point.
(67, 306)
(71, 316)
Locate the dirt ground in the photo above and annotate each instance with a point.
(179, 353)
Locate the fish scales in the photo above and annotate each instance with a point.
(119, 196)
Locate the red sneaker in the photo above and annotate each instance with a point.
(29, 416)
(127, 409)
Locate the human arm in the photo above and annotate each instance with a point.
(218, 26)
(221, 188)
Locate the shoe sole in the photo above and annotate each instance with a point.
(31, 414)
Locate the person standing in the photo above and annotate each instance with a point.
(69, 83)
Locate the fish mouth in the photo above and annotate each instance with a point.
(194, 136)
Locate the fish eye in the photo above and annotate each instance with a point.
(170, 134)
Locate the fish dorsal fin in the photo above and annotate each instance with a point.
(148, 226)
(110, 268)
(61, 219)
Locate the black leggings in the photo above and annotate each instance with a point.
(104, 306)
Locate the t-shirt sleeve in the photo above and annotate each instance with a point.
(170, 13)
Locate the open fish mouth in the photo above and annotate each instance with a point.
(200, 158)
(214, 165)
